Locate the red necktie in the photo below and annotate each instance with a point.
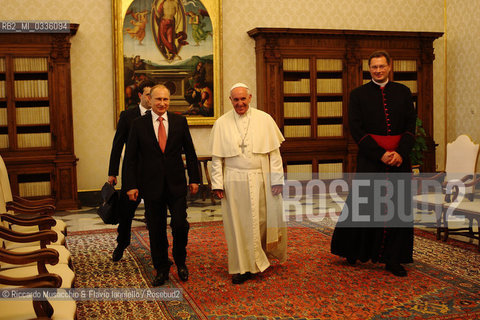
(162, 135)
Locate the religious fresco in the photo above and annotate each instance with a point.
(170, 42)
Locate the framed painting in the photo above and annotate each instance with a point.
(173, 42)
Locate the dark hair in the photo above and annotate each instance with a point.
(379, 54)
(145, 84)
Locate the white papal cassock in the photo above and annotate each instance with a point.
(246, 162)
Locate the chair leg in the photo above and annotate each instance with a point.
(478, 239)
(439, 227)
(445, 235)
(478, 231)
(445, 225)
(471, 234)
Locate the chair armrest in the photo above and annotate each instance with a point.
(437, 176)
(45, 236)
(45, 280)
(463, 179)
(473, 182)
(43, 309)
(34, 203)
(456, 189)
(47, 207)
(43, 222)
(45, 255)
(15, 207)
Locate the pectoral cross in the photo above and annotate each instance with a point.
(243, 146)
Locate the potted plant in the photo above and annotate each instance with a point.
(419, 146)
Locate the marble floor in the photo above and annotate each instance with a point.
(314, 208)
(202, 210)
(86, 218)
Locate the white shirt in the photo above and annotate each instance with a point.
(142, 109)
(156, 124)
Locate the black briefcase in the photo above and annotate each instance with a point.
(108, 210)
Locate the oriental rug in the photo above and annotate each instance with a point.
(442, 283)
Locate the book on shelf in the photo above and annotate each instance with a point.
(34, 140)
(2, 64)
(33, 115)
(296, 109)
(296, 64)
(330, 130)
(4, 141)
(31, 88)
(297, 131)
(332, 170)
(30, 64)
(299, 171)
(297, 86)
(3, 117)
(329, 65)
(405, 65)
(330, 109)
(2, 89)
(329, 85)
(365, 66)
(32, 189)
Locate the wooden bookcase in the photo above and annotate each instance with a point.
(36, 127)
(304, 77)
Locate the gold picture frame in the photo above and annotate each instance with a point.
(182, 62)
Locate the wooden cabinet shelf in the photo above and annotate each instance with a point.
(32, 99)
(36, 126)
(304, 77)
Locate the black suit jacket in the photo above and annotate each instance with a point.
(159, 170)
(120, 139)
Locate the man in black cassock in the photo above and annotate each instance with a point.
(382, 122)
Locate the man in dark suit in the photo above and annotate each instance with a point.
(155, 145)
(127, 207)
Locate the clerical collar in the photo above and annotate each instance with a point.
(380, 84)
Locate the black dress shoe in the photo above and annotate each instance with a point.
(241, 278)
(397, 269)
(183, 273)
(160, 279)
(118, 253)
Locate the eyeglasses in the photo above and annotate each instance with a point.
(380, 67)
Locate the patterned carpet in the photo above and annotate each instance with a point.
(443, 283)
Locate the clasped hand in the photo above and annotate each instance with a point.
(392, 158)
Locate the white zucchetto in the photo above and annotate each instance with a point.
(239, 85)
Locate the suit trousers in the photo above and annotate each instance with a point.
(156, 216)
(126, 213)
